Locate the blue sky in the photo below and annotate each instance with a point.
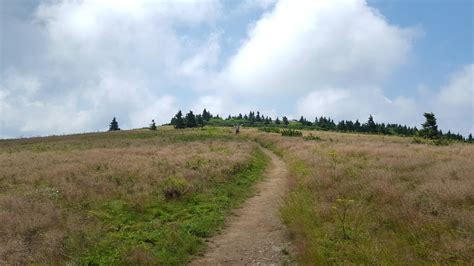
(70, 66)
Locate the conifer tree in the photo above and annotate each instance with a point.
(152, 125)
(206, 115)
(371, 126)
(114, 125)
(199, 121)
(430, 128)
(190, 120)
(277, 121)
(178, 120)
(285, 121)
(470, 137)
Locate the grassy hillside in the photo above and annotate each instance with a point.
(120, 197)
(369, 199)
(151, 197)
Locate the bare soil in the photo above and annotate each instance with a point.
(255, 234)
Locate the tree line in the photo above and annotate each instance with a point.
(428, 130)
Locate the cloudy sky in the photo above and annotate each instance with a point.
(70, 66)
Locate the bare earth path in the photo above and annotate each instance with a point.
(255, 235)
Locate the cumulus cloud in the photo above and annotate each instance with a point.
(454, 102)
(70, 66)
(301, 47)
(100, 59)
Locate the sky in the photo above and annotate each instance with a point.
(71, 66)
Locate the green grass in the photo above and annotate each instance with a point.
(164, 231)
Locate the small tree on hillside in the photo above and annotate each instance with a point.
(152, 125)
(371, 126)
(190, 120)
(178, 120)
(277, 121)
(285, 121)
(469, 138)
(199, 121)
(206, 115)
(114, 125)
(430, 128)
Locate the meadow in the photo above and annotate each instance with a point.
(127, 197)
(368, 199)
(153, 197)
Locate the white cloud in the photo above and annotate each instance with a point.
(454, 102)
(301, 47)
(142, 60)
(103, 58)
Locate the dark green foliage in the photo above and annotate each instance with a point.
(114, 125)
(370, 125)
(256, 119)
(469, 139)
(291, 133)
(178, 120)
(206, 115)
(199, 121)
(430, 128)
(153, 125)
(270, 129)
(190, 120)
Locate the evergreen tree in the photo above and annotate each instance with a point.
(285, 121)
(302, 120)
(206, 115)
(277, 121)
(470, 137)
(357, 127)
(152, 125)
(430, 128)
(178, 120)
(190, 120)
(371, 126)
(114, 125)
(199, 121)
(240, 116)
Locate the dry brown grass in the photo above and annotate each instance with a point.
(413, 203)
(49, 187)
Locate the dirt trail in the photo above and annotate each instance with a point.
(255, 235)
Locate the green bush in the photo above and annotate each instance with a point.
(291, 133)
(174, 188)
(270, 129)
(312, 137)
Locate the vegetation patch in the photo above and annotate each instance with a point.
(167, 231)
(364, 199)
(291, 133)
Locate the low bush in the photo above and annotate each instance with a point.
(312, 137)
(174, 188)
(270, 129)
(291, 133)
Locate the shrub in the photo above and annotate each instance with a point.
(270, 129)
(291, 133)
(174, 187)
(312, 137)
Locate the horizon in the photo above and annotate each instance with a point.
(69, 67)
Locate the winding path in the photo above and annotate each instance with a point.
(255, 235)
